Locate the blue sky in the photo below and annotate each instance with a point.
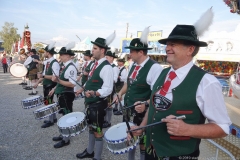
(62, 20)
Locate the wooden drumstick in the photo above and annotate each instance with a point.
(156, 123)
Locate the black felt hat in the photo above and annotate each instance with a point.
(100, 42)
(111, 54)
(185, 33)
(63, 50)
(136, 44)
(87, 53)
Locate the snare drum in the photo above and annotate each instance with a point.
(31, 102)
(46, 111)
(18, 70)
(116, 138)
(72, 124)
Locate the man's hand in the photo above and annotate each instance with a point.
(135, 133)
(85, 73)
(78, 92)
(140, 108)
(55, 79)
(89, 94)
(36, 85)
(176, 127)
(115, 98)
(51, 92)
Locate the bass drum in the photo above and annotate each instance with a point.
(18, 70)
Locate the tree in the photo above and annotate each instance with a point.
(9, 36)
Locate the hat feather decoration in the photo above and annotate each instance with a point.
(110, 38)
(144, 36)
(70, 45)
(51, 45)
(112, 49)
(204, 22)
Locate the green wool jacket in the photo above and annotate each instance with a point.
(49, 72)
(138, 90)
(183, 103)
(60, 88)
(95, 82)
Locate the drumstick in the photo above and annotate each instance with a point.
(110, 104)
(82, 87)
(125, 116)
(156, 123)
(132, 106)
(55, 75)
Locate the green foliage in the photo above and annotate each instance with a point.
(9, 35)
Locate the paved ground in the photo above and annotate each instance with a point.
(21, 136)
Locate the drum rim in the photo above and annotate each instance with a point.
(47, 107)
(11, 72)
(125, 149)
(84, 119)
(32, 99)
(35, 105)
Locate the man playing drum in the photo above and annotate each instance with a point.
(51, 66)
(32, 67)
(142, 75)
(64, 88)
(183, 89)
(110, 55)
(99, 85)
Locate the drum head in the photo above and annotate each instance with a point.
(31, 98)
(18, 70)
(117, 132)
(71, 119)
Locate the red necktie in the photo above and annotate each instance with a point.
(48, 64)
(85, 65)
(134, 74)
(167, 84)
(95, 66)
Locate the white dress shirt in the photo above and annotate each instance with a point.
(70, 72)
(28, 61)
(106, 74)
(124, 74)
(55, 66)
(115, 73)
(209, 97)
(153, 73)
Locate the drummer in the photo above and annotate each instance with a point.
(98, 86)
(51, 65)
(64, 89)
(110, 55)
(32, 67)
(142, 75)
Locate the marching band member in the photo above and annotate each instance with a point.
(110, 55)
(99, 85)
(32, 68)
(86, 66)
(51, 66)
(122, 77)
(64, 88)
(184, 89)
(142, 75)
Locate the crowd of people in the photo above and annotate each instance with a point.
(159, 95)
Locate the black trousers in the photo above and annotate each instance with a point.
(5, 66)
(192, 156)
(65, 100)
(47, 99)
